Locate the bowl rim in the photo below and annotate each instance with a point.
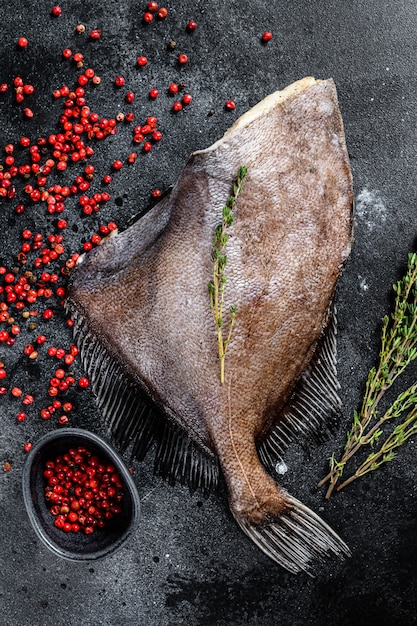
(123, 471)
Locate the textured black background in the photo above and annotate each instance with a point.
(189, 562)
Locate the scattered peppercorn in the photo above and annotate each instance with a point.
(118, 164)
(267, 36)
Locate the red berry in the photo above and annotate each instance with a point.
(152, 6)
(67, 53)
(182, 59)
(173, 88)
(177, 106)
(27, 447)
(147, 17)
(129, 97)
(95, 34)
(119, 81)
(28, 112)
(118, 164)
(22, 42)
(267, 36)
(56, 11)
(230, 105)
(153, 94)
(162, 13)
(191, 25)
(142, 61)
(83, 383)
(187, 98)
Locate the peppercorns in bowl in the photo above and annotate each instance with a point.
(79, 495)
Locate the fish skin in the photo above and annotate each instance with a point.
(143, 292)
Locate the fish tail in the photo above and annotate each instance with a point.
(297, 540)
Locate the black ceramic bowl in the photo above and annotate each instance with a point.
(77, 546)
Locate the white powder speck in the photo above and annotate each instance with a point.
(281, 468)
(370, 211)
(363, 285)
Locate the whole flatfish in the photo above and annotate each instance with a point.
(146, 334)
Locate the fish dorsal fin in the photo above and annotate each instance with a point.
(314, 406)
(134, 420)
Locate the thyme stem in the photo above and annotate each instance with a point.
(217, 286)
(398, 350)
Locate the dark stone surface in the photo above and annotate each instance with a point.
(189, 562)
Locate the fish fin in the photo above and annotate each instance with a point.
(132, 418)
(297, 539)
(179, 458)
(128, 414)
(314, 407)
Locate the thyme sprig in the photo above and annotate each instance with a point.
(398, 350)
(217, 285)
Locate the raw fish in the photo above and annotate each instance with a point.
(145, 330)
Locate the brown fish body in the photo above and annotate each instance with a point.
(144, 293)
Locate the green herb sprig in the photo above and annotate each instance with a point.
(217, 285)
(398, 350)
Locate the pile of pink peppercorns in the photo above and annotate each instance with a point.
(83, 491)
(56, 172)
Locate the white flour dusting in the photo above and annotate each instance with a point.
(370, 210)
